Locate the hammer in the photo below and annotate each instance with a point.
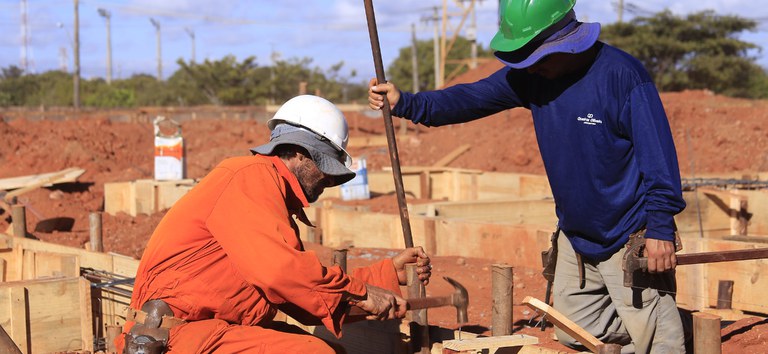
(458, 299)
(633, 262)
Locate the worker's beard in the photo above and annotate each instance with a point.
(311, 179)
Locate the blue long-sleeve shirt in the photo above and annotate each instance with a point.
(603, 136)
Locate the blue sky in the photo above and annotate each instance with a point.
(328, 31)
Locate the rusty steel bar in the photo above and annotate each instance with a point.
(386, 111)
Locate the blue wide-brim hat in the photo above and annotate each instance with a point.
(570, 36)
(325, 155)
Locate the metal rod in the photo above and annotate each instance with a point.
(390, 130)
(419, 332)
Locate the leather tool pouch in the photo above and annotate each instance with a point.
(150, 333)
(549, 258)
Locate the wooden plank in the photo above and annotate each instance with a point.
(119, 197)
(146, 201)
(44, 315)
(515, 211)
(17, 317)
(17, 267)
(86, 314)
(453, 155)
(367, 141)
(535, 349)
(28, 265)
(49, 264)
(41, 180)
(7, 346)
(169, 193)
(562, 322)
(489, 344)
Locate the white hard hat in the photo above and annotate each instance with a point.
(317, 115)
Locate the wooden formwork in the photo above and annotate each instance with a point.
(144, 196)
(509, 218)
(46, 306)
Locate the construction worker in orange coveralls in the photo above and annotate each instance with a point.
(227, 256)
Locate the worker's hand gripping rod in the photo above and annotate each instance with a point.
(393, 156)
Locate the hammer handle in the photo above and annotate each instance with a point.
(411, 304)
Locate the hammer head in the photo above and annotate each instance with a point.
(460, 300)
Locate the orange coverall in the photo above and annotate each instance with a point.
(228, 255)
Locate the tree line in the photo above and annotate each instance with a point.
(698, 51)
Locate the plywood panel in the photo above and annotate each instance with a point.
(44, 315)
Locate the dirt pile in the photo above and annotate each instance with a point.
(713, 134)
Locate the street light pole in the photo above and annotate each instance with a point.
(159, 52)
(107, 16)
(191, 34)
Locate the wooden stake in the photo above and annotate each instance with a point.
(95, 232)
(502, 287)
(19, 216)
(724, 294)
(706, 333)
(340, 258)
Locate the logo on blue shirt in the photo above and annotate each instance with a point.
(590, 120)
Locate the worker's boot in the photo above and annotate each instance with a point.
(150, 333)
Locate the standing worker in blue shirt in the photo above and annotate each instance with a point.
(609, 156)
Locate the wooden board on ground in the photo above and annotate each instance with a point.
(43, 179)
(562, 322)
(488, 344)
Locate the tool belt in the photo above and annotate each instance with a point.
(150, 333)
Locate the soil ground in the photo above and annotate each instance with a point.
(713, 135)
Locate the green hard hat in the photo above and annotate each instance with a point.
(522, 20)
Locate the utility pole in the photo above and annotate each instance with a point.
(436, 46)
(414, 60)
(24, 37)
(159, 52)
(414, 73)
(63, 59)
(76, 44)
(107, 16)
(472, 36)
(191, 34)
(621, 10)
(443, 50)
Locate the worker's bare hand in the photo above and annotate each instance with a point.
(382, 304)
(413, 255)
(660, 254)
(376, 94)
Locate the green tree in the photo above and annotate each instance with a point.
(147, 90)
(700, 51)
(401, 69)
(225, 81)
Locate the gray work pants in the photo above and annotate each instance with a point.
(642, 320)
